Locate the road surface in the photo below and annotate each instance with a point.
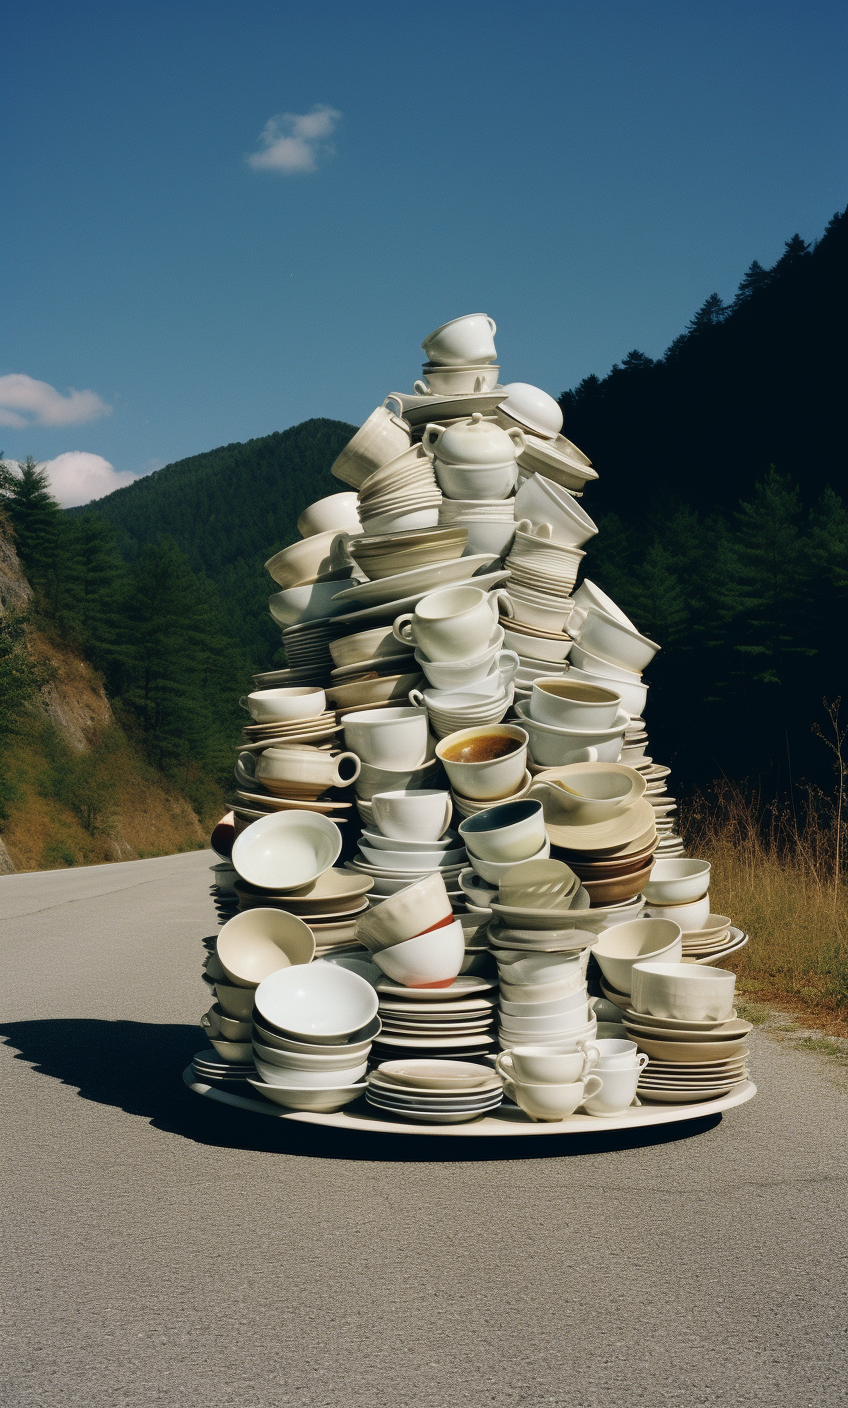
(160, 1249)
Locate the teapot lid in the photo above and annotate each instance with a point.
(475, 441)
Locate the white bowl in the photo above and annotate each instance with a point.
(567, 703)
(692, 915)
(541, 648)
(573, 1020)
(236, 1051)
(378, 779)
(292, 1079)
(490, 481)
(462, 341)
(683, 991)
(256, 942)
(552, 747)
(635, 941)
(509, 831)
(532, 408)
(633, 696)
(461, 674)
(237, 1002)
(335, 1059)
(327, 1098)
(584, 659)
(428, 960)
(413, 909)
(413, 860)
(677, 881)
(549, 1007)
(564, 972)
(336, 512)
(317, 1002)
(303, 561)
(287, 850)
(587, 594)
(542, 501)
(308, 603)
(495, 871)
(613, 641)
(358, 1043)
(557, 1041)
(548, 614)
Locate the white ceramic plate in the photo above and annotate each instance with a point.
(419, 410)
(426, 579)
(390, 609)
(466, 985)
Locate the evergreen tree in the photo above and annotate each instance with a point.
(711, 312)
(36, 520)
(754, 279)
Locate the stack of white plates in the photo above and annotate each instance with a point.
(470, 709)
(434, 1092)
(437, 1022)
(310, 731)
(307, 647)
(694, 1060)
(208, 1066)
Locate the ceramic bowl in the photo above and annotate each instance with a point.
(588, 595)
(411, 911)
(286, 705)
(552, 1007)
(567, 703)
(257, 942)
(532, 408)
(538, 1065)
(235, 1001)
(536, 647)
(554, 746)
(684, 991)
(427, 960)
(235, 1051)
(616, 642)
(633, 696)
(287, 850)
(555, 1041)
(543, 502)
(422, 859)
(393, 739)
(317, 1002)
(336, 512)
(692, 915)
(493, 537)
(450, 381)
(590, 792)
(461, 674)
(484, 779)
(496, 871)
(548, 1103)
(307, 603)
(636, 940)
(303, 561)
(306, 1080)
(462, 341)
(462, 481)
(678, 881)
(365, 646)
(572, 1020)
(315, 1065)
(544, 613)
(381, 438)
(325, 1099)
(358, 1041)
(508, 832)
(376, 779)
(227, 1027)
(566, 972)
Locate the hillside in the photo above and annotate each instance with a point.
(228, 510)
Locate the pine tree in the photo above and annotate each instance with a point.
(753, 280)
(711, 312)
(35, 517)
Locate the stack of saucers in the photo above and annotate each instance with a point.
(717, 938)
(402, 494)
(601, 825)
(307, 647)
(330, 907)
(312, 1036)
(212, 1070)
(222, 890)
(682, 1017)
(458, 1020)
(434, 1092)
(412, 935)
(450, 710)
(536, 561)
(388, 554)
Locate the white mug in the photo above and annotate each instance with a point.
(616, 1089)
(393, 738)
(486, 779)
(273, 705)
(422, 815)
(453, 624)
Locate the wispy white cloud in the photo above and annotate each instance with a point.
(77, 477)
(294, 143)
(25, 401)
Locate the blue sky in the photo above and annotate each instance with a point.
(585, 172)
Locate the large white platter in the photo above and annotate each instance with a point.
(507, 1121)
(388, 610)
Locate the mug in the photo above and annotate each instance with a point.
(423, 815)
(485, 763)
(274, 705)
(389, 738)
(537, 1065)
(616, 1090)
(453, 624)
(553, 1102)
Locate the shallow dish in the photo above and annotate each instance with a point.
(288, 850)
(323, 1099)
(688, 1051)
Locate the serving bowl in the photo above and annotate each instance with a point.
(304, 560)
(318, 1002)
(257, 942)
(692, 915)
(613, 641)
(683, 990)
(358, 1042)
(325, 1099)
(287, 850)
(411, 911)
(509, 831)
(428, 960)
(678, 881)
(306, 603)
(294, 1079)
(235, 1051)
(617, 949)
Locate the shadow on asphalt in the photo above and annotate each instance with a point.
(137, 1067)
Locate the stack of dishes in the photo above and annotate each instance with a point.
(383, 437)
(412, 934)
(544, 999)
(461, 356)
(450, 710)
(330, 907)
(434, 1092)
(388, 554)
(312, 1036)
(678, 889)
(489, 523)
(552, 513)
(307, 647)
(294, 777)
(713, 941)
(682, 1017)
(212, 1070)
(368, 650)
(538, 562)
(458, 1020)
(567, 719)
(622, 945)
(222, 890)
(503, 836)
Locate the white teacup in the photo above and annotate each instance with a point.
(423, 815)
(336, 512)
(553, 1102)
(539, 1065)
(616, 1090)
(509, 832)
(297, 768)
(453, 624)
(617, 1054)
(573, 704)
(469, 339)
(274, 705)
(476, 776)
(389, 738)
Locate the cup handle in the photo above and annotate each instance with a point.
(597, 1085)
(507, 671)
(432, 437)
(504, 1057)
(339, 554)
(501, 599)
(397, 416)
(592, 1055)
(518, 440)
(416, 699)
(244, 774)
(402, 629)
(492, 324)
(338, 780)
(421, 388)
(642, 1060)
(448, 813)
(243, 703)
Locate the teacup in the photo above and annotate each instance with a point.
(553, 1102)
(453, 624)
(573, 704)
(452, 381)
(381, 438)
(375, 779)
(539, 1065)
(282, 770)
(466, 340)
(485, 763)
(617, 1054)
(422, 815)
(272, 705)
(617, 1089)
(389, 738)
(511, 831)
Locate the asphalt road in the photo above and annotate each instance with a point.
(163, 1250)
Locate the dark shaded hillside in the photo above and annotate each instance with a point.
(228, 510)
(757, 383)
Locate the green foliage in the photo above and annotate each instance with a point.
(21, 677)
(85, 783)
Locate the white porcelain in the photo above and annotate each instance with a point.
(382, 437)
(535, 549)
(235, 1001)
(375, 779)
(541, 649)
(411, 911)
(357, 1044)
(552, 746)
(394, 739)
(401, 520)
(588, 594)
(617, 1089)
(677, 881)
(286, 850)
(572, 1019)
(494, 535)
(509, 832)
(309, 768)
(468, 339)
(423, 815)
(617, 1053)
(476, 482)
(316, 1002)
(635, 941)
(553, 1102)
(532, 608)
(426, 960)
(634, 696)
(364, 646)
(416, 861)
(588, 792)
(549, 1007)
(538, 1065)
(307, 603)
(683, 991)
(290, 1079)
(541, 501)
(449, 381)
(332, 1058)
(573, 704)
(274, 705)
(490, 779)
(324, 1100)
(304, 560)
(258, 941)
(692, 915)
(461, 676)
(475, 443)
(565, 972)
(336, 513)
(613, 641)
(532, 408)
(453, 624)
(585, 660)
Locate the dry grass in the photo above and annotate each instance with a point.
(780, 876)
